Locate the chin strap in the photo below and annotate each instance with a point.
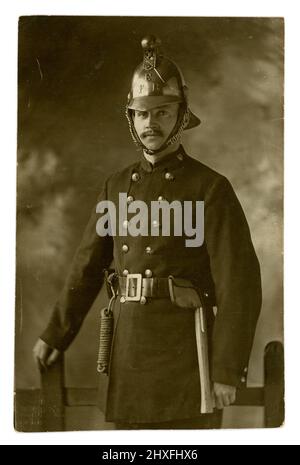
(175, 136)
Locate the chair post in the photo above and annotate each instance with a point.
(52, 397)
(274, 384)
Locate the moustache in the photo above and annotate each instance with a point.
(152, 132)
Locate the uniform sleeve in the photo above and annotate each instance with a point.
(236, 274)
(82, 285)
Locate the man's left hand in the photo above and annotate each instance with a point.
(224, 395)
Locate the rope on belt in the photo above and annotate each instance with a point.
(106, 329)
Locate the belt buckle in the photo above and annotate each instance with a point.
(138, 293)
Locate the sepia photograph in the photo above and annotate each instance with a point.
(149, 261)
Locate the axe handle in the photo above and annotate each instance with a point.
(202, 352)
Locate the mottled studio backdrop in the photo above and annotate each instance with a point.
(74, 76)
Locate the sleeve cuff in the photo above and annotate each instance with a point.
(56, 338)
(230, 376)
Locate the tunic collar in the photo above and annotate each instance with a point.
(171, 161)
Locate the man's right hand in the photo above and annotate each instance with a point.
(44, 355)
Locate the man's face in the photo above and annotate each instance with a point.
(154, 126)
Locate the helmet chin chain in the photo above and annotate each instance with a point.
(175, 136)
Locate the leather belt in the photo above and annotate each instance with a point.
(134, 287)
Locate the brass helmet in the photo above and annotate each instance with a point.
(158, 81)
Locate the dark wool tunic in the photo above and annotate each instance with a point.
(154, 372)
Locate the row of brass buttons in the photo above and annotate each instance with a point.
(125, 249)
(168, 176)
(131, 199)
(136, 177)
(155, 224)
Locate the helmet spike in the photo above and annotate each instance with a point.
(150, 45)
(150, 42)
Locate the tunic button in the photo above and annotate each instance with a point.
(125, 248)
(206, 294)
(125, 224)
(129, 199)
(169, 176)
(160, 198)
(155, 223)
(125, 272)
(122, 300)
(148, 249)
(180, 156)
(243, 379)
(245, 370)
(148, 273)
(135, 176)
